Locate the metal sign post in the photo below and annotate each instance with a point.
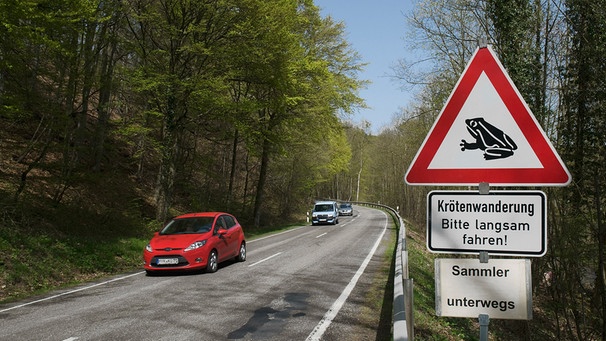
(484, 321)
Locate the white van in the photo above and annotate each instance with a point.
(325, 212)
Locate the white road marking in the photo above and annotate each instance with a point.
(263, 260)
(273, 235)
(320, 329)
(323, 234)
(71, 292)
(131, 275)
(71, 339)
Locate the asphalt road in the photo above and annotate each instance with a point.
(302, 284)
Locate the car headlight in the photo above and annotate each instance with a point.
(148, 248)
(195, 245)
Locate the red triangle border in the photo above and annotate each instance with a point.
(553, 172)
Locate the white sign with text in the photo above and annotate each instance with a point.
(500, 222)
(500, 288)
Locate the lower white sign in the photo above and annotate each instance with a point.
(500, 288)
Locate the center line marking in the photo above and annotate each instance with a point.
(263, 260)
(323, 234)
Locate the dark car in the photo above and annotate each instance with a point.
(196, 241)
(345, 209)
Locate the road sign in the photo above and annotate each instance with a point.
(486, 133)
(500, 288)
(501, 222)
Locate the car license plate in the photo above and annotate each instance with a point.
(168, 261)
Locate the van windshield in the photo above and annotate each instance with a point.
(323, 208)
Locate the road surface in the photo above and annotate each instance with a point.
(302, 284)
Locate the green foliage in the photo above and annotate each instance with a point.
(428, 326)
(43, 250)
(583, 146)
(553, 52)
(185, 97)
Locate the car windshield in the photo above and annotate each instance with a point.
(188, 225)
(345, 205)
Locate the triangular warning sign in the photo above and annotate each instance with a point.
(486, 133)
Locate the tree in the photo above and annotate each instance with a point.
(297, 73)
(174, 42)
(553, 51)
(583, 141)
(43, 79)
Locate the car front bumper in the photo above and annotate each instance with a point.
(155, 261)
(320, 219)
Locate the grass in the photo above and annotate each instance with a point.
(35, 263)
(47, 247)
(379, 297)
(428, 326)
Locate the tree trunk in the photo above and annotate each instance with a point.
(600, 280)
(105, 89)
(261, 182)
(168, 169)
(232, 173)
(165, 184)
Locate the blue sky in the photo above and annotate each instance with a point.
(376, 29)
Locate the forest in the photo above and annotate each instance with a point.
(117, 114)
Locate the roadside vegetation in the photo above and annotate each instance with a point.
(428, 326)
(44, 248)
(116, 115)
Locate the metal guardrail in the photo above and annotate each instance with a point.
(403, 326)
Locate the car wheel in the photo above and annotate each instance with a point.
(213, 262)
(241, 257)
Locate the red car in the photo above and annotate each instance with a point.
(196, 241)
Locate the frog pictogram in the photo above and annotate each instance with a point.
(493, 141)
